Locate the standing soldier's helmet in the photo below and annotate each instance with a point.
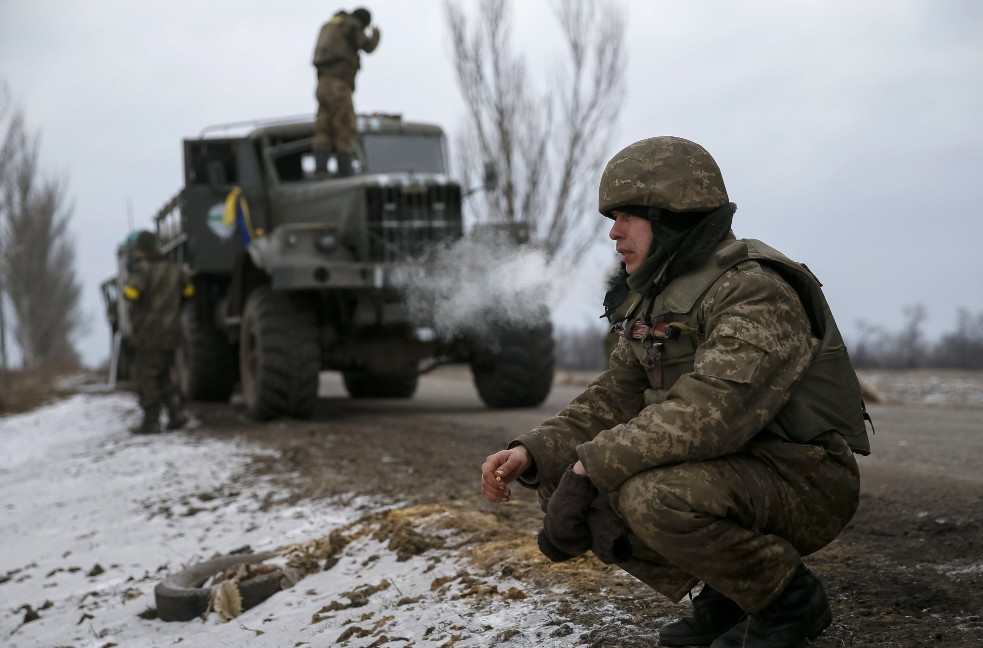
(363, 16)
(145, 241)
(665, 172)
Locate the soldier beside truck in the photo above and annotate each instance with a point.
(295, 272)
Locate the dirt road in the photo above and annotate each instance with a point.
(908, 571)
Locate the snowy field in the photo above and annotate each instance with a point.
(94, 518)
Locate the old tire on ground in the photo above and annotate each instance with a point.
(367, 385)
(206, 362)
(518, 370)
(279, 355)
(181, 597)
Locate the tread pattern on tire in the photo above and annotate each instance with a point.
(210, 359)
(519, 372)
(288, 355)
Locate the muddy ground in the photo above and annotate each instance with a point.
(908, 571)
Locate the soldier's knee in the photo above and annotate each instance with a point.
(652, 503)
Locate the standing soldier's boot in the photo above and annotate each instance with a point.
(321, 158)
(713, 615)
(150, 423)
(344, 165)
(176, 419)
(801, 612)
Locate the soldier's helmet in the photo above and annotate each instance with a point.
(145, 241)
(664, 172)
(363, 16)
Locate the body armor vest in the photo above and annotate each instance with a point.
(828, 396)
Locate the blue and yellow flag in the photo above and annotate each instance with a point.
(237, 211)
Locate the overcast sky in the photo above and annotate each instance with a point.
(848, 133)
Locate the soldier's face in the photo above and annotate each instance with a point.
(633, 236)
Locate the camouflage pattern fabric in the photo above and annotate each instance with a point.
(674, 434)
(740, 522)
(335, 128)
(153, 375)
(153, 289)
(338, 44)
(665, 172)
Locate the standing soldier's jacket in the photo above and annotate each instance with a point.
(338, 44)
(154, 288)
(742, 347)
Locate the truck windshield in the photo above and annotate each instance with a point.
(402, 153)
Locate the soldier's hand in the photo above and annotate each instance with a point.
(375, 32)
(565, 525)
(501, 469)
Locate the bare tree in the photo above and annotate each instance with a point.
(545, 146)
(38, 257)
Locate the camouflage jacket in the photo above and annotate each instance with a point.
(742, 344)
(154, 288)
(338, 44)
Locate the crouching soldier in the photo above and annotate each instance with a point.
(718, 447)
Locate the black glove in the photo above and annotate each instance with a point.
(609, 535)
(565, 532)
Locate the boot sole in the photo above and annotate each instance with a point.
(697, 640)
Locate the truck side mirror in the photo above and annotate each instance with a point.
(490, 182)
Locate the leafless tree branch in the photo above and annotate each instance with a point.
(546, 146)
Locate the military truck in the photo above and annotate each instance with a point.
(297, 272)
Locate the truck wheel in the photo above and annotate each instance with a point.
(518, 371)
(367, 385)
(206, 363)
(181, 597)
(279, 356)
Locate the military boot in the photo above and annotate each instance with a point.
(176, 420)
(344, 161)
(713, 615)
(321, 158)
(149, 425)
(801, 612)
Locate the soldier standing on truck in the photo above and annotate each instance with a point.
(153, 289)
(719, 444)
(337, 61)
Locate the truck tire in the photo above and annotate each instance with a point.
(206, 362)
(518, 371)
(279, 356)
(366, 385)
(181, 597)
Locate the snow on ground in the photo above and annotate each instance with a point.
(94, 517)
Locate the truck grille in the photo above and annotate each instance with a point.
(408, 224)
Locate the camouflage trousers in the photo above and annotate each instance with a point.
(335, 129)
(153, 375)
(740, 523)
